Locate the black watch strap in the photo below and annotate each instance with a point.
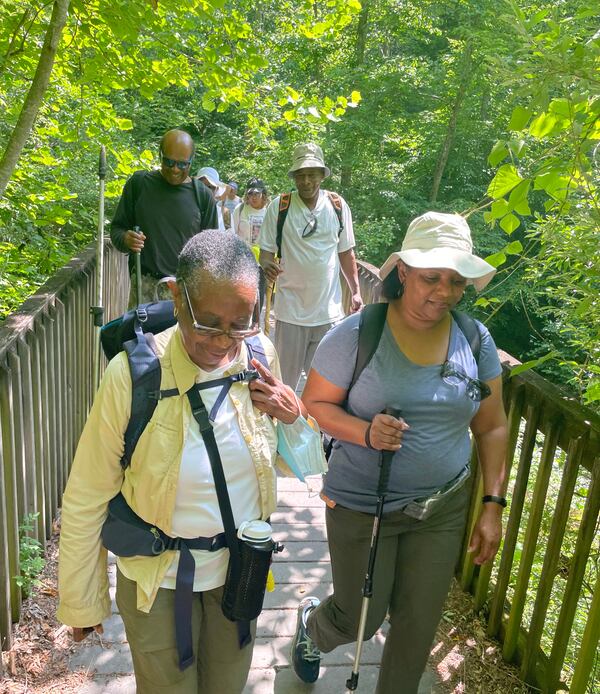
(495, 499)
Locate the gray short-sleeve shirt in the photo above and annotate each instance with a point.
(437, 445)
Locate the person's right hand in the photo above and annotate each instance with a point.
(386, 432)
(272, 270)
(79, 633)
(133, 241)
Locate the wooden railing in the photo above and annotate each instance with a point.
(550, 541)
(46, 356)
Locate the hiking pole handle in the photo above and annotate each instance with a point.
(102, 164)
(386, 459)
(138, 269)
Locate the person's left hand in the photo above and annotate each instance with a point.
(273, 397)
(356, 303)
(487, 533)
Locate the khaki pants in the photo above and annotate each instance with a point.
(296, 346)
(221, 667)
(414, 566)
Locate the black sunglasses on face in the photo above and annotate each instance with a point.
(476, 390)
(310, 228)
(233, 333)
(170, 163)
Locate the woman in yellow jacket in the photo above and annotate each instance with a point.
(169, 482)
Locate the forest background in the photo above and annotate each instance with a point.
(472, 106)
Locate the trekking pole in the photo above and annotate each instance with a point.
(384, 478)
(138, 269)
(97, 311)
(268, 308)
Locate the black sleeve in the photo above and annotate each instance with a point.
(124, 218)
(208, 208)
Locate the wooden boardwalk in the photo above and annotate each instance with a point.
(302, 569)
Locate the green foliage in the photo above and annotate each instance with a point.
(31, 556)
(553, 170)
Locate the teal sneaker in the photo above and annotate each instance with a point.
(305, 656)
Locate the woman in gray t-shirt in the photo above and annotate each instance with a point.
(423, 367)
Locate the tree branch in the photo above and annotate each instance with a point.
(35, 95)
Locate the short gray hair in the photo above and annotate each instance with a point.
(220, 255)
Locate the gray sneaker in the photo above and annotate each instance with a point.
(306, 657)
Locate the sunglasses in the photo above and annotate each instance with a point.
(170, 163)
(453, 374)
(310, 228)
(233, 333)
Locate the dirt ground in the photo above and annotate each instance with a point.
(466, 661)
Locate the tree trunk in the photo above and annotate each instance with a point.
(466, 74)
(357, 60)
(33, 100)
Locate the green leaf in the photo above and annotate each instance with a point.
(514, 248)
(124, 124)
(499, 151)
(499, 209)
(519, 118)
(526, 366)
(496, 259)
(542, 125)
(509, 223)
(504, 181)
(356, 97)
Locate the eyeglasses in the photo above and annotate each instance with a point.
(170, 163)
(232, 334)
(310, 228)
(453, 374)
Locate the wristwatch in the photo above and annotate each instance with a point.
(495, 499)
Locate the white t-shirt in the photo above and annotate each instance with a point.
(247, 222)
(196, 512)
(309, 292)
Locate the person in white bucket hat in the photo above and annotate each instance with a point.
(305, 239)
(438, 371)
(211, 179)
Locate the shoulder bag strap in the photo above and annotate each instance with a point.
(284, 207)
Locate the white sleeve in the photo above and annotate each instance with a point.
(346, 240)
(267, 238)
(235, 217)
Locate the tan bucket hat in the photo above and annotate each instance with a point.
(307, 156)
(440, 240)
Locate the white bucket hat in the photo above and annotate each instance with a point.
(440, 240)
(212, 176)
(308, 156)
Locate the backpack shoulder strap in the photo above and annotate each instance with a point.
(470, 330)
(145, 371)
(336, 201)
(370, 328)
(284, 206)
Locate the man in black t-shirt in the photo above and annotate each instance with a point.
(168, 207)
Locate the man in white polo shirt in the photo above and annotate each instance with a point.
(315, 240)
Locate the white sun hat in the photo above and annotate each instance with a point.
(308, 156)
(212, 176)
(439, 240)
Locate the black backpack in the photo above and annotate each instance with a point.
(134, 332)
(284, 207)
(370, 328)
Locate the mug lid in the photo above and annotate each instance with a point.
(254, 530)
